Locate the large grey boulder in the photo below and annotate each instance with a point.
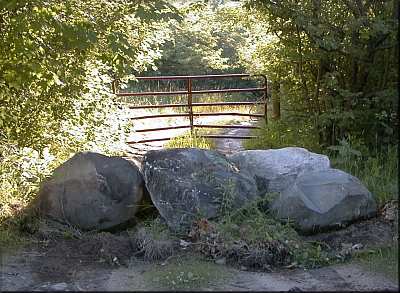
(185, 184)
(324, 199)
(92, 191)
(276, 169)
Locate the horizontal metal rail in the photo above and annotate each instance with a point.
(202, 136)
(163, 128)
(151, 93)
(199, 126)
(197, 114)
(228, 114)
(196, 105)
(149, 140)
(135, 94)
(211, 76)
(160, 116)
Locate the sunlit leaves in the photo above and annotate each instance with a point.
(49, 51)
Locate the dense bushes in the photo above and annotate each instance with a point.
(333, 63)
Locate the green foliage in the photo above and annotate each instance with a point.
(199, 43)
(338, 61)
(283, 133)
(56, 60)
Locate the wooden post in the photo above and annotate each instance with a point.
(189, 89)
(114, 86)
(266, 100)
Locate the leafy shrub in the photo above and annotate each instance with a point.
(282, 133)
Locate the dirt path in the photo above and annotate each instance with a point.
(39, 270)
(229, 146)
(78, 265)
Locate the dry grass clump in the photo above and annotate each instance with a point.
(154, 243)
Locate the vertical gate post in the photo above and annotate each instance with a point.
(266, 99)
(114, 86)
(189, 90)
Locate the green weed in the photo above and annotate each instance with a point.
(384, 260)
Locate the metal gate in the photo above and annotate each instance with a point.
(191, 105)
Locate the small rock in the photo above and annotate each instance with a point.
(59, 286)
(53, 287)
(221, 261)
(357, 246)
(184, 244)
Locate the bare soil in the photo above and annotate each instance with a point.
(106, 262)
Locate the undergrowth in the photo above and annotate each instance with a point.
(281, 133)
(251, 237)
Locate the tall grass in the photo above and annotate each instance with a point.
(378, 171)
(191, 140)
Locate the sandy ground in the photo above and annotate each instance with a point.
(81, 265)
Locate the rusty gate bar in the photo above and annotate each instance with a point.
(195, 105)
(209, 76)
(163, 128)
(189, 92)
(257, 89)
(198, 126)
(198, 115)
